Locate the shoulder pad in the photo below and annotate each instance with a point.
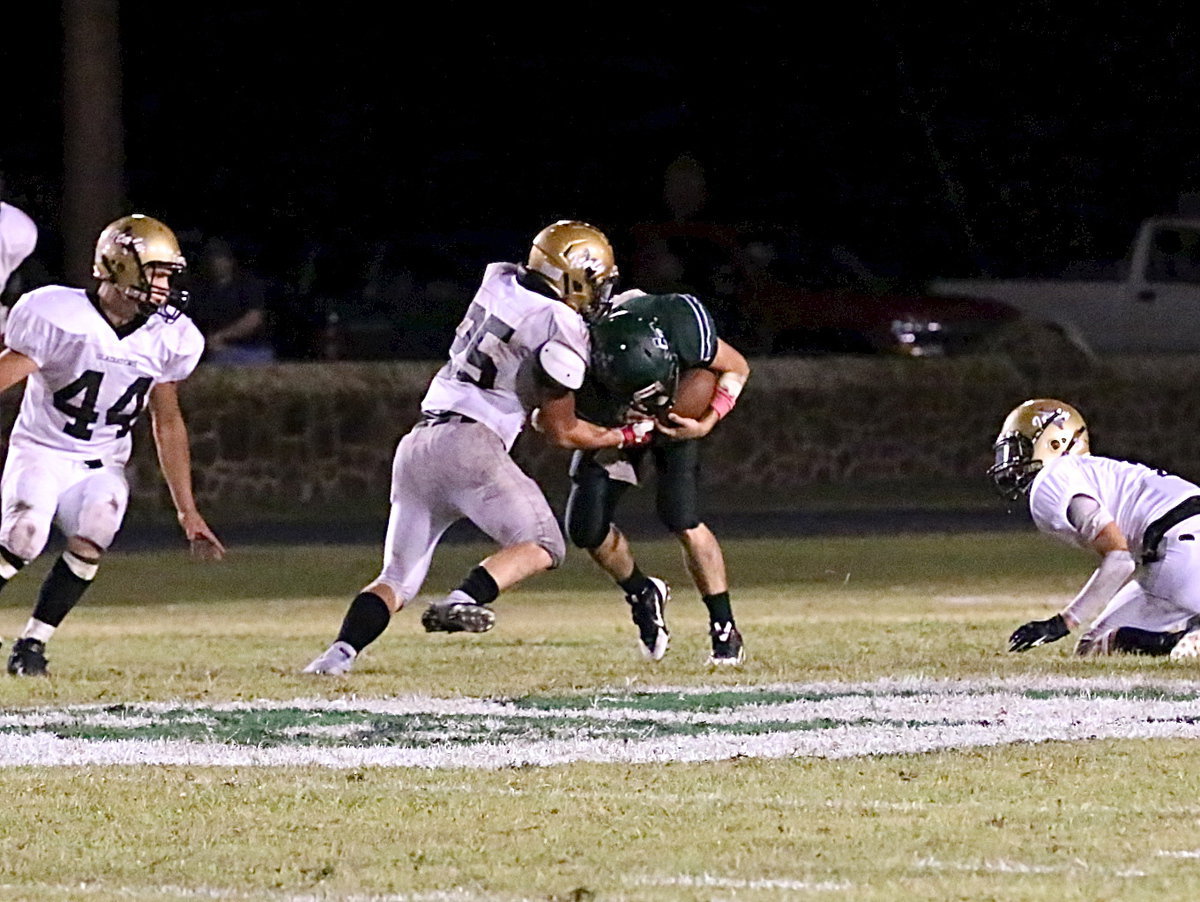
(562, 364)
(629, 295)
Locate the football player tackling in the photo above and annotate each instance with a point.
(94, 360)
(521, 347)
(1127, 513)
(638, 351)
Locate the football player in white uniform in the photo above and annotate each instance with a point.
(1127, 513)
(520, 351)
(18, 238)
(94, 360)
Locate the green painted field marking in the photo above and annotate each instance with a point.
(829, 720)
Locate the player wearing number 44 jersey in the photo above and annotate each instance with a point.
(521, 348)
(93, 360)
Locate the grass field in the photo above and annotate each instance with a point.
(878, 743)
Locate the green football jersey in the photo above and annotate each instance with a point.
(686, 322)
(690, 331)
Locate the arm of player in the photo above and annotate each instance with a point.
(175, 460)
(1098, 531)
(556, 420)
(732, 371)
(14, 366)
(1116, 567)
(561, 371)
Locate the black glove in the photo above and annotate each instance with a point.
(1037, 632)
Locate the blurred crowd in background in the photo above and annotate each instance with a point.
(401, 297)
(345, 295)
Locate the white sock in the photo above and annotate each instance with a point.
(35, 629)
(81, 568)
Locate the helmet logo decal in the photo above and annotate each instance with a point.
(1048, 416)
(127, 239)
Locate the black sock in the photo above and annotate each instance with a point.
(365, 620)
(61, 591)
(635, 583)
(719, 609)
(480, 586)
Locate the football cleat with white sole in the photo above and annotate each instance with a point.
(727, 647)
(647, 610)
(458, 617)
(334, 661)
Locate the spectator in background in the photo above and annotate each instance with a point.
(230, 309)
(688, 251)
(18, 238)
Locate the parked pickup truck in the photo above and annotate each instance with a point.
(1150, 303)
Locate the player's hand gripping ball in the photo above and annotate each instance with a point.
(693, 394)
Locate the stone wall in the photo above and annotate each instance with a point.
(318, 438)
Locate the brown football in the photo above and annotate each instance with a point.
(694, 392)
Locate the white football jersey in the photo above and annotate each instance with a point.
(1134, 495)
(18, 238)
(495, 347)
(92, 380)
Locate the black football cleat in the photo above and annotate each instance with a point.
(646, 609)
(458, 617)
(28, 658)
(727, 647)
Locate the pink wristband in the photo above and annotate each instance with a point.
(722, 402)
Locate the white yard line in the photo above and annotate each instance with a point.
(885, 717)
(713, 881)
(84, 889)
(1004, 866)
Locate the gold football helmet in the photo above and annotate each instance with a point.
(127, 253)
(576, 262)
(1034, 433)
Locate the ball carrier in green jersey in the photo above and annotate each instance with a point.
(638, 350)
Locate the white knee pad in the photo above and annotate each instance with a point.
(26, 531)
(100, 520)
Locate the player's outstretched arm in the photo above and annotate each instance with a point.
(175, 460)
(556, 420)
(1116, 567)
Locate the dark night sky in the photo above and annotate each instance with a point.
(1003, 135)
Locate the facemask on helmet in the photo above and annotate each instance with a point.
(576, 263)
(633, 363)
(1034, 433)
(129, 254)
